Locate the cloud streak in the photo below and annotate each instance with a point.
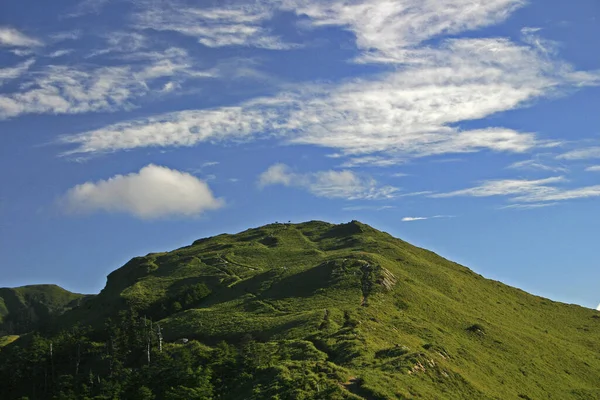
(581, 154)
(412, 219)
(153, 192)
(526, 191)
(10, 37)
(10, 73)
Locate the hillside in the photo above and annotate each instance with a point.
(312, 310)
(28, 308)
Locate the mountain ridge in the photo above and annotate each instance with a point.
(385, 318)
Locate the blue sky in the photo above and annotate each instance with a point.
(469, 127)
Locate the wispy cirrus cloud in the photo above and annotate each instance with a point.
(9, 73)
(65, 89)
(230, 25)
(526, 191)
(411, 112)
(60, 53)
(531, 206)
(10, 37)
(593, 168)
(86, 7)
(505, 187)
(122, 42)
(581, 154)
(330, 184)
(153, 192)
(537, 165)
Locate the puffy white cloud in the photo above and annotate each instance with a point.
(593, 168)
(330, 184)
(10, 37)
(278, 174)
(153, 192)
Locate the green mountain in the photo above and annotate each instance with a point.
(308, 311)
(28, 308)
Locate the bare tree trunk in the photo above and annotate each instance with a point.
(51, 363)
(78, 360)
(160, 338)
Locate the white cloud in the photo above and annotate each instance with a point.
(60, 53)
(536, 165)
(411, 219)
(373, 161)
(505, 187)
(184, 128)
(61, 89)
(10, 37)
(581, 154)
(384, 28)
(598, 308)
(66, 35)
(411, 112)
(330, 184)
(278, 174)
(594, 168)
(232, 25)
(15, 72)
(130, 43)
(559, 194)
(528, 206)
(153, 192)
(526, 191)
(85, 7)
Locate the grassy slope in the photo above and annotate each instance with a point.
(404, 322)
(25, 308)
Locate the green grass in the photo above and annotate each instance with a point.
(400, 321)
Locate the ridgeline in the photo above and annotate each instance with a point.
(299, 311)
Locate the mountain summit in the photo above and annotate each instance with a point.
(313, 310)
